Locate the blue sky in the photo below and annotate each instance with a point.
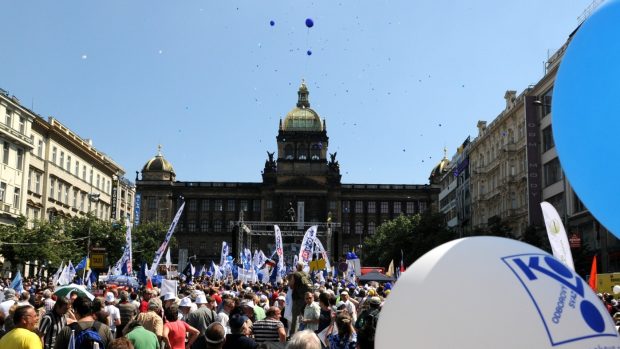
(396, 81)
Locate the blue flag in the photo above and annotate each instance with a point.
(17, 284)
(81, 265)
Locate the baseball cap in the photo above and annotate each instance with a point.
(169, 296)
(237, 320)
(247, 303)
(281, 298)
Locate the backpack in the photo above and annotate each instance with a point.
(85, 339)
(366, 324)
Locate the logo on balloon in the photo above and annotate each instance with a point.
(568, 309)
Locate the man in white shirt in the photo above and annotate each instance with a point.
(349, 306)
(9, 301)
(115, 314)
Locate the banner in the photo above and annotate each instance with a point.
(114, 200)
(224, 253)
(136, 212)
(557, 235)
(321, 250)
(307, 245)
(279, 251)
(153, 270)
(128, 247)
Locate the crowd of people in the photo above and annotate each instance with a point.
(202, 313)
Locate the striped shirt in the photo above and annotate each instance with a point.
(267, 330)
(50, 327)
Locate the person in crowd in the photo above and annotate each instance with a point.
(121, 343)
(201, 319)
(23, 336)
(53, 322)
(304, 340)
(271, 328)
(184, 308)
(175, 330)
(325, 316)
(83, 309)
(114, 318)
(349, 306)
(215, 336)
(228, 305)
(127, 312)
(140, 337)
(299, 282)
(346, 337)
(366, 323)
(238, 338)
(151, 320)
(311, 314)
(48, 301)
(9, 300)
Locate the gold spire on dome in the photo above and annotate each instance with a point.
(302, 101)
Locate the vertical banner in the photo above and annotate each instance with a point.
(532, 151)
(159, 253)
(136, 212)
(182, 260)
(279, 250)
(301, 215)
(128, 247)
(557, 235)
(307, 245)
(224, 253)
(114, 199)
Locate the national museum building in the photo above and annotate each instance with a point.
(301, 187)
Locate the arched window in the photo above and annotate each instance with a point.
(302, 151)
(315, 151)
(288, 152)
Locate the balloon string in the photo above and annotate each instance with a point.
(307, 55)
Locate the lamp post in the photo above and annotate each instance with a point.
(92, 197)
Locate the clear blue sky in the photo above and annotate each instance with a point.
(396, 81)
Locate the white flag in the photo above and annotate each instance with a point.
(159, 253)
(307, 245)
(557, 235)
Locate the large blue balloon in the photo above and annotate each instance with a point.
(586, 114)
(309, 23)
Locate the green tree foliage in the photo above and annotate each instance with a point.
(147, 238)
(414, 235)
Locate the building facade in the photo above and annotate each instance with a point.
(15, 124)
(301, 186)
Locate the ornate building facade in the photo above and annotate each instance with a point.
(301, 186)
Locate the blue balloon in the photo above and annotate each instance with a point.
(309, 23)
(309, 53)
(272, 23)
(585, 114)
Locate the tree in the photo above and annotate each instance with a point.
(535, 237)
(413, 235)
(147, 238)
(497, 227)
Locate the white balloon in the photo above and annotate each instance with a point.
(510, 295)
(616, 289)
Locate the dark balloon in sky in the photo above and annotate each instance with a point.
(309, 23)
(272, 23)
(309, 53)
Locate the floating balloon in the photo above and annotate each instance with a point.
(272, 23)
(616, 289)
(585, 106)
(309, 23)
(508, 295)
(309, 53)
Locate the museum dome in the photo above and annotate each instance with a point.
(156, 166)
(302, 117)
(441, 167)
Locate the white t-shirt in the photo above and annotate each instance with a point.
(6, 306)
(222, 318)
(114, 315)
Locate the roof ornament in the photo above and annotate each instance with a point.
(159, 150)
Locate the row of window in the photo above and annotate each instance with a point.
(58, 158)
(9, 120)
(303, 151)
(410, 207)
(6, 156)
(16, 194)
(204, 205)
(63, 193)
